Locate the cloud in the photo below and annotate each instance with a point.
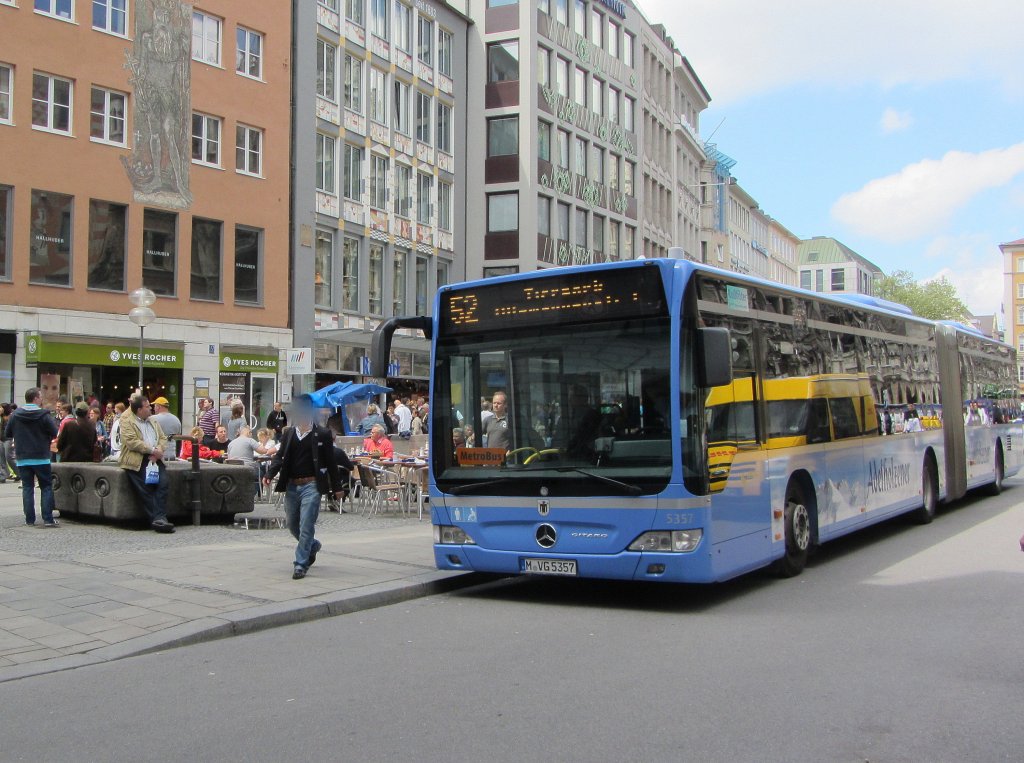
(895, 121)
(975, 268)
(921, 197)
(741, 48)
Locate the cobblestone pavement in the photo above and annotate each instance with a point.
(88, 592)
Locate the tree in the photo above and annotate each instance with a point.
(936, 300)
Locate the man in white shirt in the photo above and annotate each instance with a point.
(404, 419)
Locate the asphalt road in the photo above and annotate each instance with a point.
(901, 643)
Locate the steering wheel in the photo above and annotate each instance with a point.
(539, 453)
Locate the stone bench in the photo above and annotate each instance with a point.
(103, 490)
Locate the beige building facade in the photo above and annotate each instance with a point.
(1013, 300)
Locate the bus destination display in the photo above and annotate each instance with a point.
(572, 298)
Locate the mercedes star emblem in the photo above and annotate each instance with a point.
(546, 536)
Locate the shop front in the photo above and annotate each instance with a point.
(343, 355)
(103, 370)
(250, 378)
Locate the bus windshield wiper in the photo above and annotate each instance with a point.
(473, 486)
(625, 487)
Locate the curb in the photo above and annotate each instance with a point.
(254, 619)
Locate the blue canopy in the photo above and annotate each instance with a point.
(340, 394)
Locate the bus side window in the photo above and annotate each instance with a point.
(844, 418)
(818, 421)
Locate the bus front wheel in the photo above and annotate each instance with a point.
(999, 472)
(798, 533)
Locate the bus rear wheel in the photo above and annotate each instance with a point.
(929, 494)
(798, 534)
(999, 472)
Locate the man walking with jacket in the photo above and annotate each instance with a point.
(33, 429)
(142, 447)
(307, 469)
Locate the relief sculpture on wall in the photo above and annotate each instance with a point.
(159, 62)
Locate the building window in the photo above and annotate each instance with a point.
(627, 49)
(613, 39)
(543, 140)
(403, 26)
(350, 275)
(6, 197)
(331, 4)
(503, 61)
(613, 105)
(378, 96)
(597, 96)
(424, 184)
(249, 53)
(206, 30)
(838, 279)
(628, 177)
(206, 260)
(378, 182)
(160, 252)
(110, 16)
(562, 77)
(353, 84)
(581, 156)
(443, 273)
(579, 90)
(562, 12)
(326, 69)
(563, 148)
(325, 172)
(444, 205)
(423, 108)
(6, 91)
(579, 18)
(402, 122)
(596, 28)
(1020, 264)
(444, 127)
(596, 163)
(628, 109)
(51, 103)
(422, 286)
(444, 52)
(403, 190)
(598, 233)
(50, 238)
(62, 9)
(249, 150)
(106, 116)
(628, 242)
(1020, 315)
(354, 10)
(502, 212)
(107, 229)
(562, 210)
(581, 238)
(819, 280)
(1020, 344)
(379, 18)
(375, 286)
(543, 67)
(805, 279)
(544, 215)
(398, 289)
(1020, 373)
(425, 41)
(1020, 291)
(323, 266)
(613, 240)
(206, 140)
(503, 136)
(613, 171)
(248, 265)
(353, 172)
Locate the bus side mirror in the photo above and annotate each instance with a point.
(714, 357)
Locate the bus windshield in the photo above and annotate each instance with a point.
(576, 409)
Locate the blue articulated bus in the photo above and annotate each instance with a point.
(664, 420)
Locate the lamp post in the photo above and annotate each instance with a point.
(141, 315)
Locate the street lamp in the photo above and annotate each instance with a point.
(142, 315)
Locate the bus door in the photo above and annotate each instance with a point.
(846, 496)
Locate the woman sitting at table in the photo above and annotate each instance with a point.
(204, 452)
(378, 445)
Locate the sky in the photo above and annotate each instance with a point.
(896, 127)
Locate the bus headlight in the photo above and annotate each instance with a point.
(452, 536)
(678, 541)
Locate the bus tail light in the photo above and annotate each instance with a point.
(452, 536)
(678, 541)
